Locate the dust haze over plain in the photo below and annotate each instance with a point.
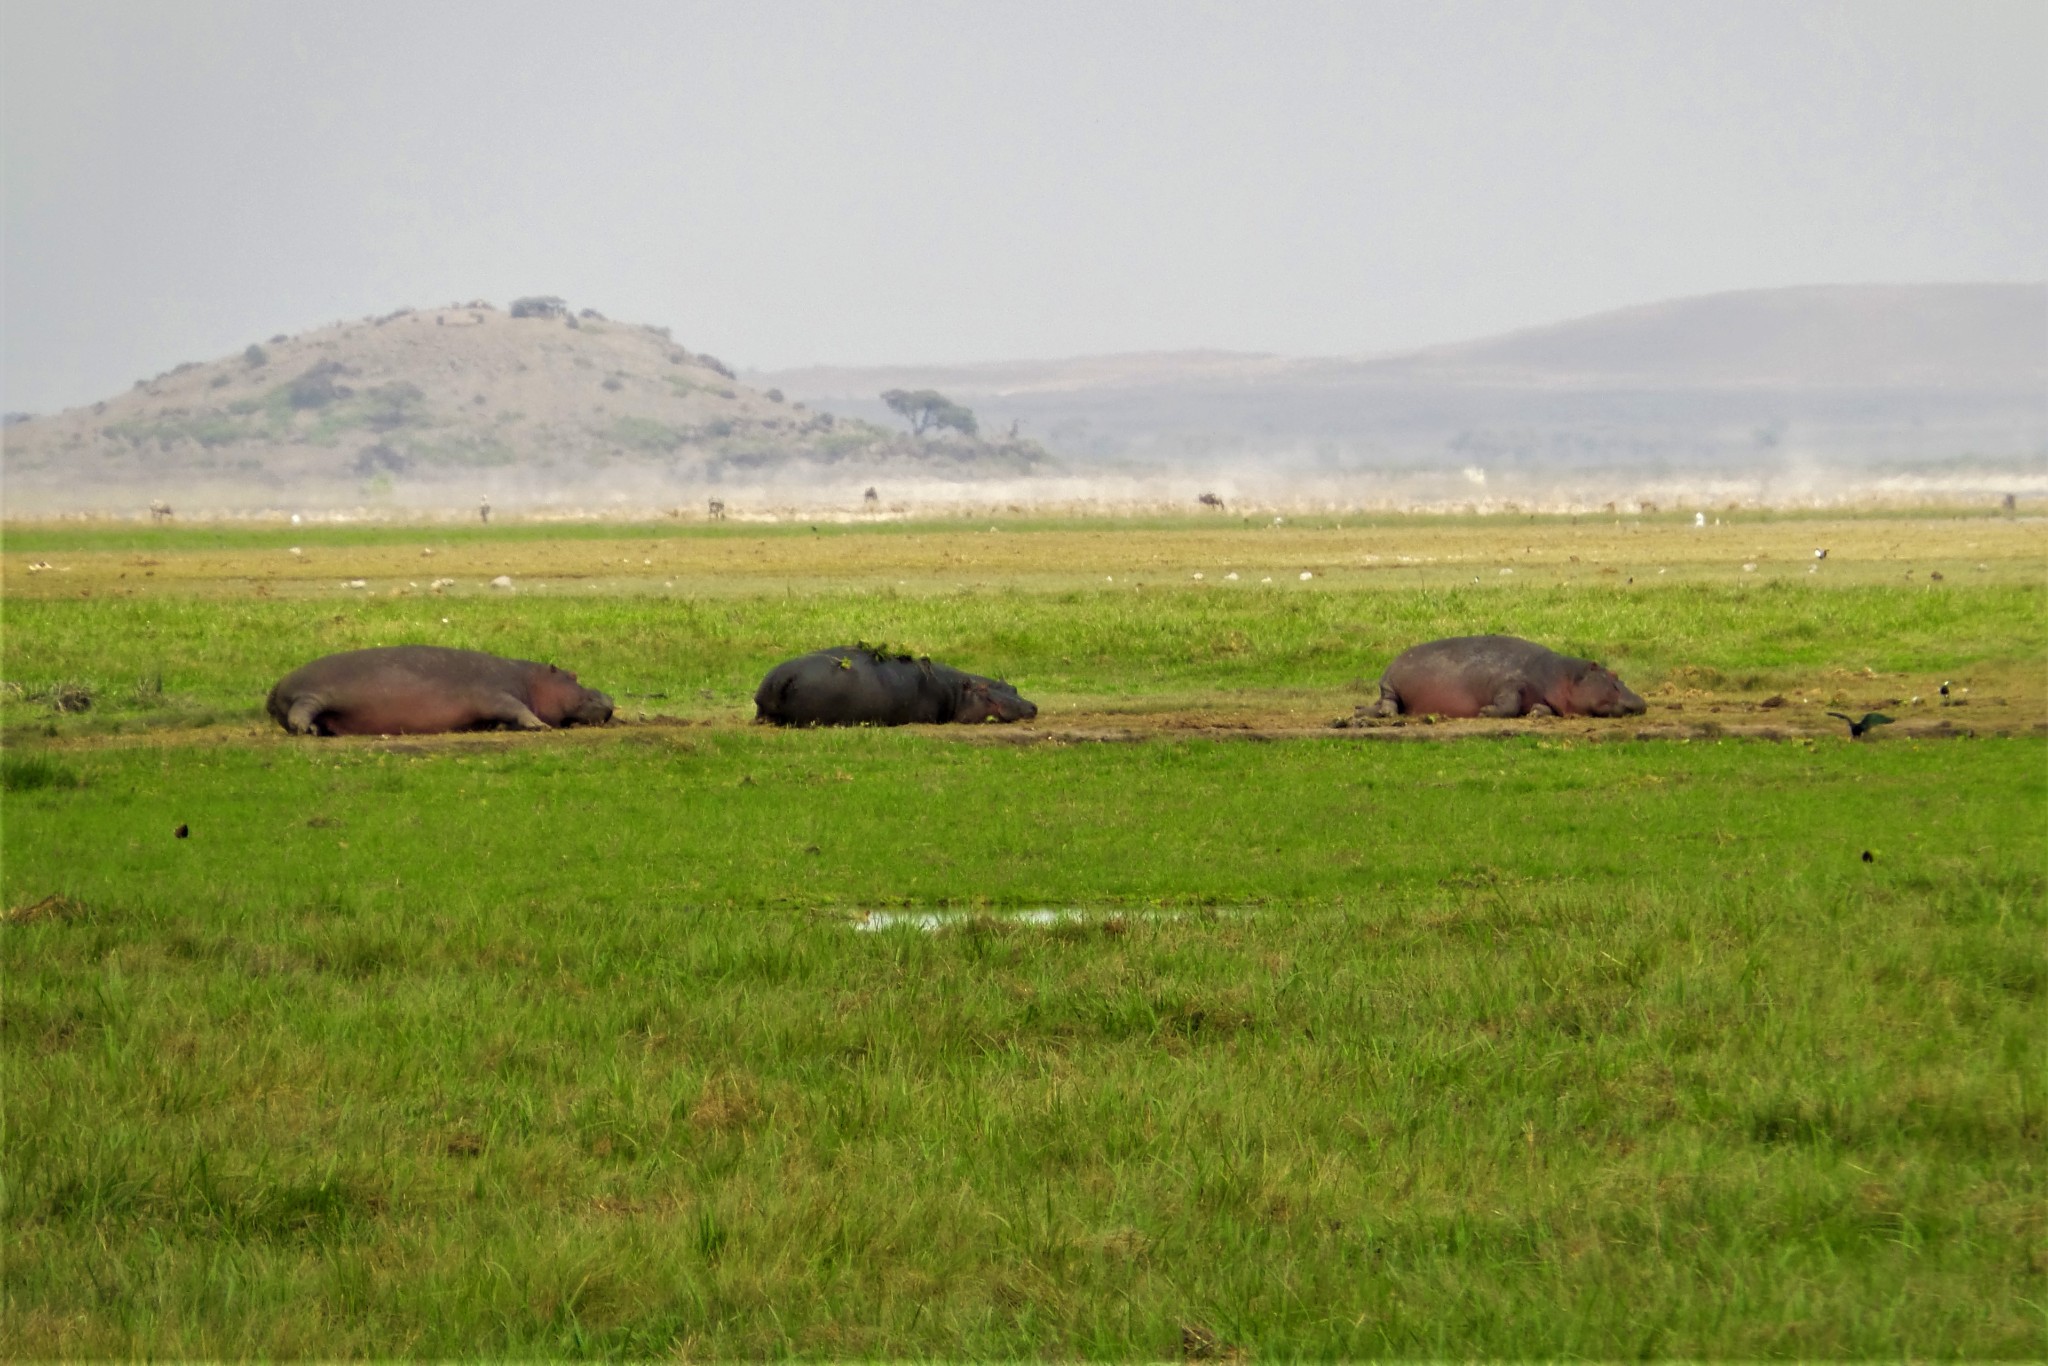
(808, 185)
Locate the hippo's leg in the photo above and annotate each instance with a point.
(505, 709)
(300, 720)
(1506, 702)
(1541, 709)
(1389, 703)
(521, 715)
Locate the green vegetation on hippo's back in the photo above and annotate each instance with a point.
(575, 1046)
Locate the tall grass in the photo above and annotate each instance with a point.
(1521, 1048)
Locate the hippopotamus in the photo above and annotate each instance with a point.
(1500, 676)
(426, 689)
(855, 685)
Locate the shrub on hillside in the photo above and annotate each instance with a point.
(392, 405)
(645, 434)
(540, 306)
(379, 459)
(316, 388)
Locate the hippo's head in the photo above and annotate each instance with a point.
(592, 708)
(1597, 692)
(991, 699)
(560, 700)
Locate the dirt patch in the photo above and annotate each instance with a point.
(1698, 717)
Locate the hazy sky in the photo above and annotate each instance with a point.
(787, 183)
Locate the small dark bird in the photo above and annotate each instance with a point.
(182, 831)
(1869, 857)
(1944, 690)
(1870, 719)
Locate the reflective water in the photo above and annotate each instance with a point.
(872, 922)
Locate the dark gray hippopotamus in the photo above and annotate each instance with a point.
(1500, 676)
(427, 689)
(854, 685)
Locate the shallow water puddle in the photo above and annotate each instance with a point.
(873, 922)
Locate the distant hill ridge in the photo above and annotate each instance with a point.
(1969, 336)
(1870, 377)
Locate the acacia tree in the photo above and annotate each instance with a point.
(925, 409)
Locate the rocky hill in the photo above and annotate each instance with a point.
(439, 407)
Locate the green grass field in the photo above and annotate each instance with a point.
(606, 1043)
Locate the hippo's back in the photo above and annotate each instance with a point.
(851, 686)
(1465, 675)
(402, 689)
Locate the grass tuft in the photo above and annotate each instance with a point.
(35, 773)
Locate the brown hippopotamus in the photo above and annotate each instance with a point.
(427, 689)
(854, 685)
(1500, 676)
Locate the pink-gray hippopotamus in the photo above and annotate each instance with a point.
(428, 689)
(1500, 676)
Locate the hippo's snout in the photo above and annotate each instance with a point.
(1625, 703)
(594, 710)
(1008, 706)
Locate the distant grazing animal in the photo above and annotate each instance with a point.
(871, 497)
(158, 509)
(857, 685)
(484, 510)
(1210, 500)
(717, 510)
(428, 689)
(1500, 676)
(1871, 720)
